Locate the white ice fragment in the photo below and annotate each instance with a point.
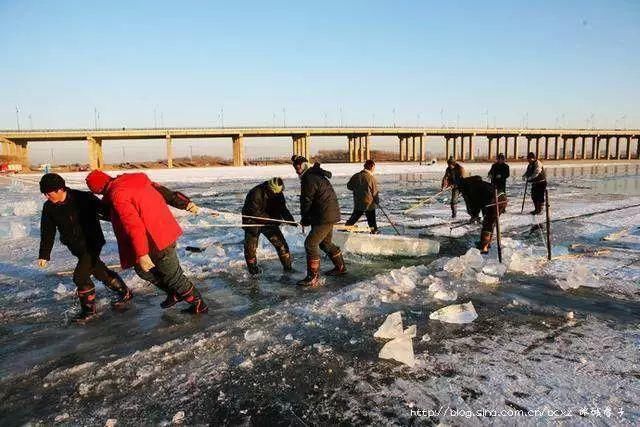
(446, 295)
(578, 276)
(493, 268)
(523, 263)
(487, 280)
(570, 315)
(111, 422)
(457, 313)
(378, 244)
(246, 364)
(60, 418)
(392, 326)
(178, 418)
(289, 337)
(253, 334)
(425, 338)
(435, 283)
(400, 349)
(411, 331)
(25, 208)
(61, 291)
(455, 267)
(473, 258)
(14, 230)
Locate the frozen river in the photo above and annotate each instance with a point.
(554, 340)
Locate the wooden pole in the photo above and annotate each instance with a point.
(389, 219)
(524, 196)
(546, 199)
(498, 241)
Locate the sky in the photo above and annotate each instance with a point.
(246, 63)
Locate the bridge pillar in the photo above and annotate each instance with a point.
(594, 147)
(537, 147)
(583, 148)
(401, 148)
(628, 148)
(169, 144)
(515, 147)
(638, 147)
(471, 155)
(238, 150)
(422, 151)
(618, 147)
(446, 148)
(96, 160)
(306, 146)
(489, 148)
(546, 147)
(361, 148)
(367, 149)
(528, 145)
(7, 147)
(574, 154)
(608, 147)
(23, 153)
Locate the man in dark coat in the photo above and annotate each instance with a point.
(75, 215)
(365, 196)
(146, 232)
(480, 197)
(452, 176)
(536, 175)
(499, 173)
(266, 201)
(318, 208)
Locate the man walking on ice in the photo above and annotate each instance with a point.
(75, 214)
(365, 196)
(146, 232)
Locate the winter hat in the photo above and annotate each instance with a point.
(51, 182)
(531, 155)
(298, 160)
(369, 164)
(276, 185)
(97, 181)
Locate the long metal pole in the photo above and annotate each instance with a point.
(546, 198)
(389, 219)
(524, 196)
(498, 238)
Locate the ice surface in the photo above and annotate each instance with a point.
(457, 313)
(400, 349)
(20, 208)
(12, 230)
(494, 268)
(377, 244)
(391, 328)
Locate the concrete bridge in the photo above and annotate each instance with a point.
(566, 144)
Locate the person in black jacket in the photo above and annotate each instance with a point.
(499, 173)
(536, 175)
(318, 208)
(266, 201)
(75, 215)
(480, 197)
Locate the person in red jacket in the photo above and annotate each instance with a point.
(146, 232)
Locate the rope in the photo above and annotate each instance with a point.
(417, 205)
(211, 211)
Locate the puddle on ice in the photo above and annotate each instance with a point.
(269, 351)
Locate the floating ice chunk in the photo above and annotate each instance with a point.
(523, 263)
(289, 337)
(457, 313)
(493, 268)
(60, 418)
(411, 331)
(111, 422)
(473, 259)
(246, 364)
(400, 349)
(446, 295)
(392, 326)
(253, 335)
(61, 292)
(426, 338)
(487, 280)
(579, 276)
(178, 418)
(570, 315)
(377, 244)
(25, 208)
(455, 267)
(13, 230)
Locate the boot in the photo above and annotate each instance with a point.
(171, 300)
(374, 230)
(117, 285)
(252, 266)
(339, 268)
(537, 209)
(193, 297)
(485, 242)
(313, 276)
(287, 261)
(87, 306)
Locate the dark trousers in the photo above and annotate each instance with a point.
(272, 233)
(167, 274)
(500, 185)
(371, 218)
(90, 264)
(490, 216)
(537, 191)
(320, 238)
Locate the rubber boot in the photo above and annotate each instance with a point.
(338, 265)
(287, 261)
(485, 242)
(193, 297)
(87, 306)
(537, 209)
(374, 230)
(171, 300)
(117, 285)
(313, 273)
(252, 266)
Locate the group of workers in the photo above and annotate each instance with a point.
(146, 230)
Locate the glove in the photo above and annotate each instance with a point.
(145, 263)
(193, 208)
(42, 263)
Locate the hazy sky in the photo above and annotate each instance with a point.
(148, 63)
